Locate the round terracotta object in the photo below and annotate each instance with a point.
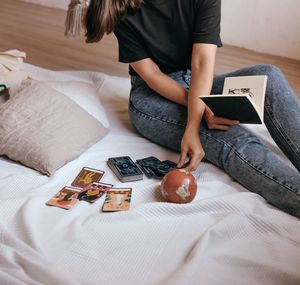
(179, 186)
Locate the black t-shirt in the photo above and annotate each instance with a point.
(165, 30)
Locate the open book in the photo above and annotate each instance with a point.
(243, 99)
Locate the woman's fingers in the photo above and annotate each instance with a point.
(182, 158)
(218, 123)
(194, 162)
(224, 121)
(219, 127)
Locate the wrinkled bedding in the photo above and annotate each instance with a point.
(227, 235)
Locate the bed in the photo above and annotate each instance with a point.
(227, 235)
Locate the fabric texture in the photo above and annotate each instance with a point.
(82, 93)
(227, 235)
(44, 129)
(11, 72)
(149, 32)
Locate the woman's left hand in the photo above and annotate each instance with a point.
(217, 123)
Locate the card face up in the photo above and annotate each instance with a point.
(94, 191)
(66, 198)
(87, 176)
(117, 199)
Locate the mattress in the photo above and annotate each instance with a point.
(227, 235)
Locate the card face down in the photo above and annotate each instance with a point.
(87, 176)
(162, 168)
(94, 191)
(146, 165)
(117, 199)
(125, 168)
(66, 198)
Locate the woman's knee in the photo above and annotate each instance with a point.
(220, 147)
(269, 70)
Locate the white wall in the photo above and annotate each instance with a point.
(269, 26)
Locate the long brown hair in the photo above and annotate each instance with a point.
(103, 15)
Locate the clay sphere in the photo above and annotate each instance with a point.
(179, 186)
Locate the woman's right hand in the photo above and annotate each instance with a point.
(191, 147)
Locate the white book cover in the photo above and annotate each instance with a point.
(252, 86)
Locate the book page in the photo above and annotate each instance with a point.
(253, 86)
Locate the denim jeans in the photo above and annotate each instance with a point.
(237, 151)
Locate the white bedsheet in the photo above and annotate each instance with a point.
(227, 235)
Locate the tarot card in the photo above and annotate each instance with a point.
(117, 199)
(125, 168)
(87, 176)
(146, 164)
(94, 191)
(66, 198)
(163, 168)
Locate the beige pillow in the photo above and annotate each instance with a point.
(44, 129)
(84, 94)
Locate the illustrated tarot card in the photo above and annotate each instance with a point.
(87, 176)
(94, 191)
(66, 198)
(117, 199)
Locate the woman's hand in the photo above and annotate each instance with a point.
(217, 123)
(191, 146)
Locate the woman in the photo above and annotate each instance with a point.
(170, 46)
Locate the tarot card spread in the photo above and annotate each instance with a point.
(146, 165)
(66, 198)
(94, 191)
(117, 199)
(154, 168)
(125, 168)
(87, 176)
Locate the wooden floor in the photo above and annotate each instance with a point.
(39, 31)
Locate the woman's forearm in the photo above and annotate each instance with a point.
(160, 82)
(167, 87)
(201, 84)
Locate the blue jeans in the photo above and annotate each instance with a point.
(237, 151)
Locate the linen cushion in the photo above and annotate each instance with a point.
(83, 93)
(44, 129)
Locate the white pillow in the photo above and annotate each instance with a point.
(82, 93)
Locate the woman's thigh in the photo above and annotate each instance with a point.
(156, 118)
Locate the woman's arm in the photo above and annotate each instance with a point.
(203, 64)
(160, 82)
(202, 67)
(203, 61)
